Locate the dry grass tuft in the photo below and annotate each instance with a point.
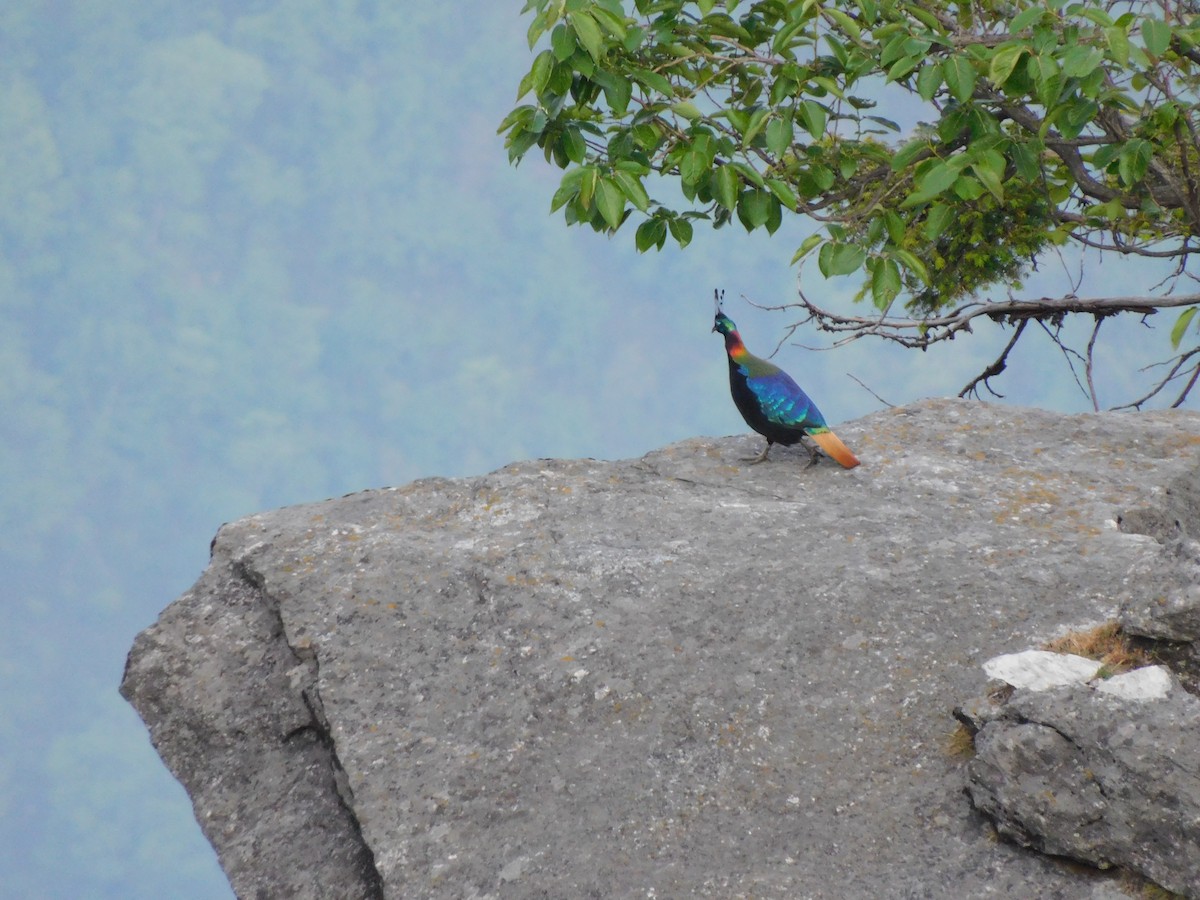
(961, 742)
(1107, 644)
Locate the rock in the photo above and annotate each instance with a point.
(1146, 683)
(671, 676)
(1037, 670)
(1098, 777)
(1161, 592)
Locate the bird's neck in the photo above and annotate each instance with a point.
(734, 346)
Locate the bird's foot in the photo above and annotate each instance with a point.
(754, 461)
(814, 456)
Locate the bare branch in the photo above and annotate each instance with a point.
(940, 328)
(1178, 365)
(1091, 349)
(995, 368)
(872, 393)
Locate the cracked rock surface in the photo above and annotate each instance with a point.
(672, 676)
(1082, 773)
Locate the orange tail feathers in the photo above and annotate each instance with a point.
(829, 442)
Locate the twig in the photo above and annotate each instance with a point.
(873, 394)
(995, 368)
(1090, 358)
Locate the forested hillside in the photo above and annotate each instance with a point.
(254, 254)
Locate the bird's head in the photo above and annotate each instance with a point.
(723, 324)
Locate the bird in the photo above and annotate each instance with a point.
(773, 404)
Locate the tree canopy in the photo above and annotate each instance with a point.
(1038, 125)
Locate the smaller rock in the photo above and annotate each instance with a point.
(1162, 595)
(1173, 616)
(1146, 683)
(1094, 773)
(1040, 670)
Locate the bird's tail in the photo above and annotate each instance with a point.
(829, 442)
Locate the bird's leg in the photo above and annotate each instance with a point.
(761, 457)
(813, 456)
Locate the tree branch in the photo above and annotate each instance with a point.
(1000, 311)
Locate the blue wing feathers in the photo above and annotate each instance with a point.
(784, 402)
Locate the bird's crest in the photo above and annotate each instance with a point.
(718, 299)
(721, 322)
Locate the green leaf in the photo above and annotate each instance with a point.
(610, 200)
(774, 214)
(631, 187)
(694, 166)
(726, 185)
(588, 180)
(681, 230)
(749, 173)
(937, 219)
(588, 33)
(1025, 18)
(902, 67)
(1134, 160)
(537, 27)
(806, 247)
(822, 176)
(574, 145)
(566, 192)
(613, 23)
(968, 188)
(754, 208)
(780, 135)
(518, 142)
(989, 169)
(1156, 36)
(520, 114)
(929, 79)
(758, 119)
(1181, 325)
(960, 77)
(894, 225)
(813, 115)
(932, 182)
(1047, 80)
(784, 36)
(840, 259)
(912, 263)
(893, 50)
(617, 90)
(562, 42)
(781, 89)
(848, 26)
(1092, 14)
(1118, 44)
(1080, 61)
(1027, 161)
(904, 157)
(688, 110)
(784, 192)
(1004, 61)
(885, 282)
(651, 233)
(653, 80)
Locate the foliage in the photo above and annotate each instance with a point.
(1048, 122)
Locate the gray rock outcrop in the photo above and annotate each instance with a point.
(1079, 772)
(672, 676)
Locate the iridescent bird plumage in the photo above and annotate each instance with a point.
(772, 403)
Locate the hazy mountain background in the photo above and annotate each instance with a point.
(257, 253)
